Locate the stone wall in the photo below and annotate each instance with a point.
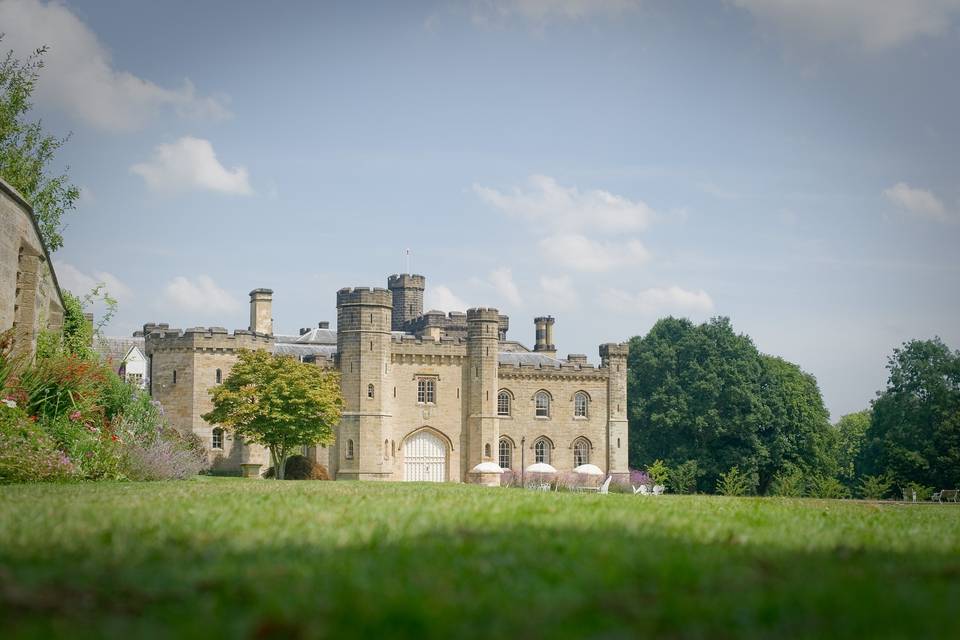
(523, 428)
(30, 298)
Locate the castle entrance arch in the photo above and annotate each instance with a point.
(424, 458)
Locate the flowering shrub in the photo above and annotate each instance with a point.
(61, 385)
(509, 478)
(168, 456)
(27, 454)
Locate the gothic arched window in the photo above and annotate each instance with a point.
(506, 454)
(541, 451)
(542, 400)
(581, 452)
(503, 403)
(580, 402)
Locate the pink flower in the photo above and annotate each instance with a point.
(74, 416)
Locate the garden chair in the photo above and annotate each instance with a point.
(935, 497)
(658, 489)
(643, 490)
(605, 487)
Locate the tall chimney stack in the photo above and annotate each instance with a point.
(544, 342)
(261, 311)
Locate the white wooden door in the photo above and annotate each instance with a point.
(424, 458)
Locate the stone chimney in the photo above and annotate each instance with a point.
(261, 311)
(325, 324)
(544, 338)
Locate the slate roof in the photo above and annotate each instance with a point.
(115, 348)
(528, 359)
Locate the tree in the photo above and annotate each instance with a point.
(704, 393)
(277, 402)
(914, 433)
(78, 334)
(26, 152)
(850, 432)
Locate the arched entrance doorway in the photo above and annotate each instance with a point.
(424, 458)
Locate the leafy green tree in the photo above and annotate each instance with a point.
(659, 472)
(277, 402)
(27, 153)
(797, 432)
(683, 477)
(824, 486)
(875, 487)
(734, 482)
(914, 434)
(788, 483)
(704, 393)
(78, 334)
(850, 433)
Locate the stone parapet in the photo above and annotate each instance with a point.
(160, 337)
(365, 296)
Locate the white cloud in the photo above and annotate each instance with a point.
(658, 300)
(558, 292)
(190, 163)
(201, 296)
(580, 253)
(440, 297)
(502, 280)
(540, 11)
(919, 202)
(79, 76)
(873, 25)
(545, 202)
(79, 283)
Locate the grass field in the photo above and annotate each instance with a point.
(233, 558)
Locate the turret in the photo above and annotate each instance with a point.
(544, 336)
(613, 357)
(407, 290)
(480, 382)
(363, 349)
(261, 311)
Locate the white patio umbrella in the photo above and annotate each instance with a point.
(487, 467)
(541, 467)
(589, 470)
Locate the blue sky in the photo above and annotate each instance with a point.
(792, 165)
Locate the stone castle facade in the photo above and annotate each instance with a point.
(427, 396)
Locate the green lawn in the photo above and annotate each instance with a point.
(228, 557)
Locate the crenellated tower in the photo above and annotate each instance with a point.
(480, 381)
(613, 357)
(363, 351)
(407, 290)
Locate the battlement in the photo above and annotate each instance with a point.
(614, 350)
(406, 281)
(483, 314)
(366, 296)
(558, 370)
(162, 337)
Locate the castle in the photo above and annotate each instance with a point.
(427, 396)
